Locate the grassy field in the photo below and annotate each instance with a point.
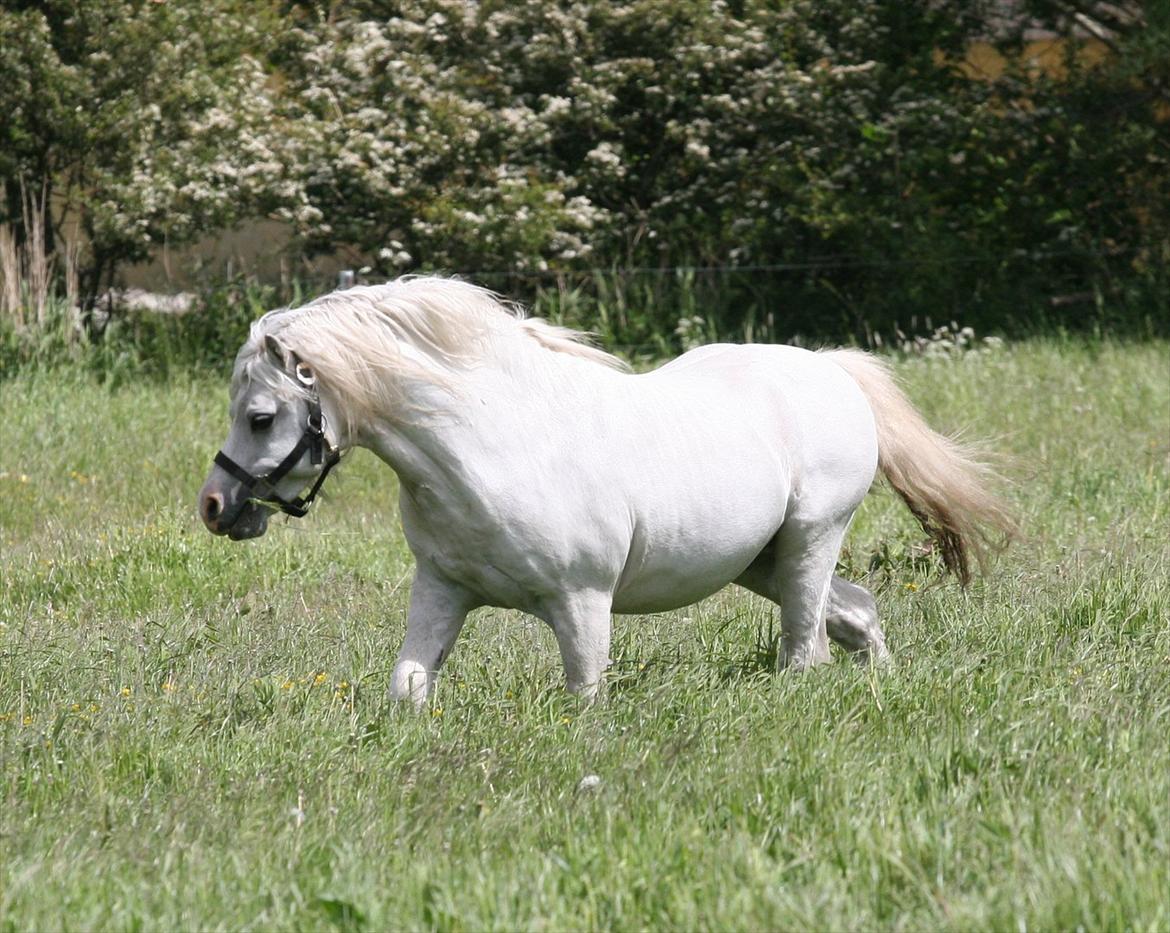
(194, 733)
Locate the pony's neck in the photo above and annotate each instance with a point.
(452, 433)
(417, 446)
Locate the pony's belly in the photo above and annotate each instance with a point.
(664, 584)
(690, 540)
(663, 595)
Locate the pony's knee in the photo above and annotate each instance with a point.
(851, 598)
(851, 620)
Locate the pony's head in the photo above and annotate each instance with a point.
(279, 444)
(366, 355)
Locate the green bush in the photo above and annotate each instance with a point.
(830, 161)
(824, 168)
(141, 343)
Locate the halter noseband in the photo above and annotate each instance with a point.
(313, 440)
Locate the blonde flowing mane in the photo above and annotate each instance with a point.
(365, 342)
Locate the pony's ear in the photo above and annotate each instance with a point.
(277, 355)
(289, 362)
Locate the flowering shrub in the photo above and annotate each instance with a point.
(835, 146)
(143, 123)
(834, 155)
(654, 130)
(948, 342)
(408, 141)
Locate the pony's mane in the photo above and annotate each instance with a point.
(364, 342)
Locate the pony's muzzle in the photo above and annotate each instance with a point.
(223, 514)
(210, 509)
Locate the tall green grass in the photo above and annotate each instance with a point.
(128, 345)
(644, 314)
(194, 734)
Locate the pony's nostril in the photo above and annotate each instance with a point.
(212, 507)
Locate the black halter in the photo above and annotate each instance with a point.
(313, 440)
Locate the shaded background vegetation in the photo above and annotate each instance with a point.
(653, 170)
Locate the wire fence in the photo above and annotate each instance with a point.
(348, 277)
(821, 295)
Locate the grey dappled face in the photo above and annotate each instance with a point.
(266, 425)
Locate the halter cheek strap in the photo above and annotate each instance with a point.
(321, 453)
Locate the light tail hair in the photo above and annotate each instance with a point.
(947, 484)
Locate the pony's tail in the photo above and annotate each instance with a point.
(945, 483)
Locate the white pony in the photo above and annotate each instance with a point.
(538, 473)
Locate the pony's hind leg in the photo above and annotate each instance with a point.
(795, 571)
(851, 620)
(805, 558)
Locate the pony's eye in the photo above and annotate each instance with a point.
(261, 422)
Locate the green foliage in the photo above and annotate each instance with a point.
(834, 156)
(142, 344)
(826, 167)
(145, 123)
(194, 732)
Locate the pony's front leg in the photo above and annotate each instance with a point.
(582, 625)
(437, 610)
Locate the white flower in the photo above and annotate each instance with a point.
(605, 154)
(699, 150)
